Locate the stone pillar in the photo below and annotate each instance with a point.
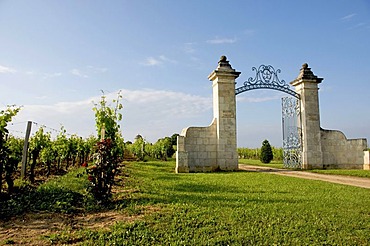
(224, 111)
(306, 84)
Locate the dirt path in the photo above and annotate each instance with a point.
(339, 179)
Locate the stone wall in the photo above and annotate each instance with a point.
(340, 152)
(206, 149)
(197, 149)
(366, 160)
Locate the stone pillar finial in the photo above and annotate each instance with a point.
(224, 63)
(306, 74)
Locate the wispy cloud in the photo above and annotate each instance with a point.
(51, 75)
(4, 69)
(88, 71)
(360, 25)
(151, 61)
(189, 48)
(156, 61)
(78, 73)
(258, 99)
(348, 17)
(354, 23)
(166, 59)
(93, 69)
(222, 41)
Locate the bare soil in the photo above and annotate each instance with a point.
(34, 228)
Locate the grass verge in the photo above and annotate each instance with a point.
(277, 164)
(355, 173)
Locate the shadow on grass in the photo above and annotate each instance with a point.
(49, 199)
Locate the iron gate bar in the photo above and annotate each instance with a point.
(266, 78)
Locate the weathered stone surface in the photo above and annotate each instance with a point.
(340, 152)
(203, 149)
(366, 160)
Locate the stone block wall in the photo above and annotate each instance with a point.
(340, 152)
(366, 160)
(197, 149)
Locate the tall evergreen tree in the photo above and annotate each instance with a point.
(266, 152)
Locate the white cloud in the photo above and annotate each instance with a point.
(88, 71)
(4, 69)
(78, 73)
(189, 48)
(156, 61)
(222, 41)
(166, 59)
(51, 75)
(348, 17)
(151, 61)
(93, 69)
(258, 99)
(152, 113)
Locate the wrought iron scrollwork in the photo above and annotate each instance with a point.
(266, 78)
(292, 133)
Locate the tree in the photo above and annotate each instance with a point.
(266, 152)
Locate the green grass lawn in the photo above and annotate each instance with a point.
(356, 173)
(274, 164)
(232, 208)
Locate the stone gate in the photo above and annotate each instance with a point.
(214, 147)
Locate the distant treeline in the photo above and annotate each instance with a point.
(247, 153)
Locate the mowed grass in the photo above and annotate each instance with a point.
(356, 173)
(233, 208)
(274, 164)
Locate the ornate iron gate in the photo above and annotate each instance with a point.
(267, 78)
(292, 134)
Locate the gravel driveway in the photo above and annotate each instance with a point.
(339, 179)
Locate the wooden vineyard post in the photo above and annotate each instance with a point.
(25, 150)
(102, 133)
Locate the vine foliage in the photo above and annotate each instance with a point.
(8, 163)
(107, 151)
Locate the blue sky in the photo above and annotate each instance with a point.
(57, 56)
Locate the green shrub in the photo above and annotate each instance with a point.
(266, 152)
